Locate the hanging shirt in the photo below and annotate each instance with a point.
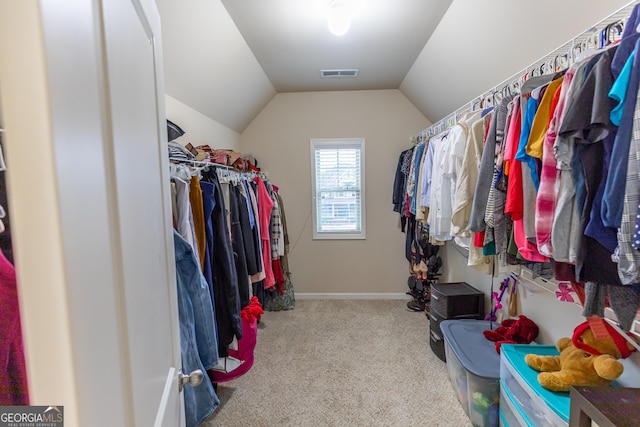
(425, 195)
(252, 218)
(275, 225)
(627, 256)
(483, 183)
(184, 217)
(566, 222)
(587, 123)
(513, 203)
(545, 200)
(416, 174)
(197, 211)
(619, 91)
(521, 154)
(440, 194)
(462, 235)
(257, 233)
(247, 231)
(399, 183)
(421, 211)
(456, 140)
(541, 120)
(411, 184)
(494, 216)
(612, 199)
(265, 205)
(466, 183)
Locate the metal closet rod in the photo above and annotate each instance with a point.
(199, 163)
(452, 117)
(226, 168)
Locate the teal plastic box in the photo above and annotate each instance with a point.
(510, 414)
(537, 406)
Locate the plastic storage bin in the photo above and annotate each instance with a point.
(510, 414)
(449, 301)
(541, 407)
(474, 369)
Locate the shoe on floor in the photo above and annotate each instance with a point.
(415, 305)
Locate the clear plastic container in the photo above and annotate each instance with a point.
(543, 408)
(510, 415)
(474, 370)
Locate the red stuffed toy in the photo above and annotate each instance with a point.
(513, 331)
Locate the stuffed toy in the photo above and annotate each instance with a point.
(584, 360)
(513, 331)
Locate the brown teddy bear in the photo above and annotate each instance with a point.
(584, 360)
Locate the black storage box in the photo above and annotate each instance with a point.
(457, 300)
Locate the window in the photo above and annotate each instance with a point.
(337, 174)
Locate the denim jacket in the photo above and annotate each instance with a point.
(198, 334)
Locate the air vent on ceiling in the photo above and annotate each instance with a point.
(353, 72)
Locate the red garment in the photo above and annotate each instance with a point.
(279, 275)
(13, 371)
(407, 205)
(486, 130)
(514, 204)
(478, 239)
(265, 205)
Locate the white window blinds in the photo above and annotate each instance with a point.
(338, 188)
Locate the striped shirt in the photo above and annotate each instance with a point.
(546, 198)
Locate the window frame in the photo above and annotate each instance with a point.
(358, 143)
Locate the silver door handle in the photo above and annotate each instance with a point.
(194, 379)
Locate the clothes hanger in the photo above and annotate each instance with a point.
(614, 32)
(589, 46)
(514, 87)
(505, 92)
(561, 62)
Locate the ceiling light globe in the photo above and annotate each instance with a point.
(339, 20)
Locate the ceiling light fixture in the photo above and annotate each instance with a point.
(339, 19)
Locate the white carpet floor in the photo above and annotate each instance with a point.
(342, 363)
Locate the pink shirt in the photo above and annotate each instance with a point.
(265, 205)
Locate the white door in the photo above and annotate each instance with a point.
(83, 111)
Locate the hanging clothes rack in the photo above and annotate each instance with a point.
(593, 37)
(218, 166)
(596, 37)
(200, 163)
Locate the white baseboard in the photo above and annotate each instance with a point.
(381, 295)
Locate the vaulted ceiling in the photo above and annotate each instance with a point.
(228, 58)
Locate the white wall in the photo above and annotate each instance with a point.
(208, 64)
(279, 138)
(200, 129)
(478, 44)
